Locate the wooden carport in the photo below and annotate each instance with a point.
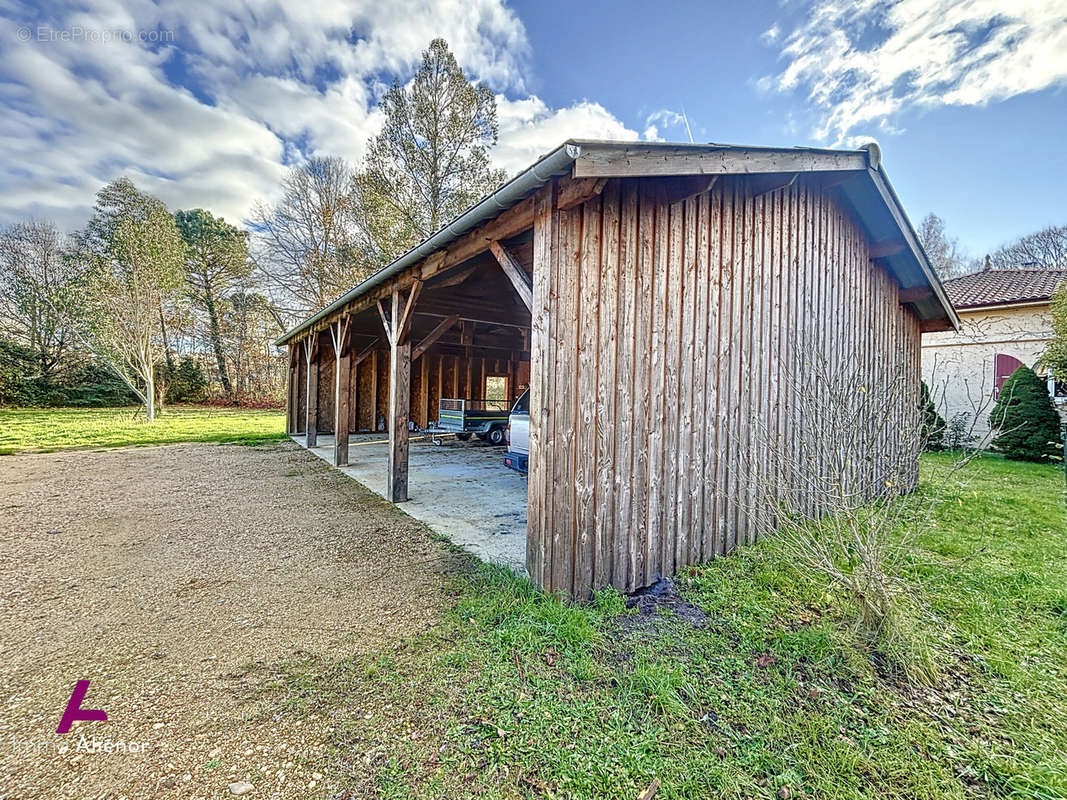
(654, 297)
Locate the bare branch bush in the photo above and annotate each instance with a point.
(837, 490)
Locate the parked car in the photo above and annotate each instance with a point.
(486, 419)
(518, 434)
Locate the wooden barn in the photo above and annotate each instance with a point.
(652, 296)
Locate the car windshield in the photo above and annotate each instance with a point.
(522, 405)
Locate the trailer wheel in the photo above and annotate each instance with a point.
(463, 437)
(495, 436)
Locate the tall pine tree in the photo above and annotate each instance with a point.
(431, 160)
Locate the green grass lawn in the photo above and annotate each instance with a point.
(517, 695)
(48, 429)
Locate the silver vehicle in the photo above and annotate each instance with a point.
(518, 433)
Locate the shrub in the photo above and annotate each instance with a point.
(933, 424)
(91, 385)
(1027, 425)
(185, 381)
(79, 381)
(18, 386)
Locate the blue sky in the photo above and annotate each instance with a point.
(206, 103)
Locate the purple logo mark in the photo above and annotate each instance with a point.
(74, 709)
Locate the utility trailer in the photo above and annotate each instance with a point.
(486, 419)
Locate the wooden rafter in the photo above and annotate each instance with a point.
(887, 247)
(516, 274)
(510, 223)
(442, 327)
(575, 191)
(365, 353)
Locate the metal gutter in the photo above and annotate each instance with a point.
(518, 188)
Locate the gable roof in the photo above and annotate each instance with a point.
(1003, 287)
(877, 207)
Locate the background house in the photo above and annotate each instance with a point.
(1006, 322)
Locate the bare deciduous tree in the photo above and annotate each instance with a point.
(308, 245)
(943, 251)
(1043, 249)
(132, 255)
(36, 290)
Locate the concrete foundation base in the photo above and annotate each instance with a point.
(461, 490)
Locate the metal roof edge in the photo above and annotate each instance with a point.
(512, 192)
(911, 238)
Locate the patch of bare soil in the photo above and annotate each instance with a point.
(158, 574)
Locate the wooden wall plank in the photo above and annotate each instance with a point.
(642, 387)
(623, 562)
(668, 342)
(563, 466)
(674, 300)
(586, 394)
(660, 213)
(542, 371)
(608, 334)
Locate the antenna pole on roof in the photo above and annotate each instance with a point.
(685, 118)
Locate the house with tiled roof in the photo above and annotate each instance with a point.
(1006, 322)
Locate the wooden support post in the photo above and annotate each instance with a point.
(292, 390)
(311, 403)
(399, 411)
(342, 356)
(396, 330)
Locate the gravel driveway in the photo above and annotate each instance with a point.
(172, 578)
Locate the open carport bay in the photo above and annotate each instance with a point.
(461, 490)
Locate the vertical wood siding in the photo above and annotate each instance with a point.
(433, 376)
(665, 339)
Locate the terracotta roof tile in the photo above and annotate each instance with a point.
(997, 287)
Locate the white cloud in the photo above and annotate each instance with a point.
(664, 118)
(529, 129)
(214, 116)
(861, 62)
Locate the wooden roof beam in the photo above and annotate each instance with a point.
(636, 161)
(915, 294)
(516, 274)
(766, 184)
(887, 247)
(575, 191)
(482, 317)
(427, 342)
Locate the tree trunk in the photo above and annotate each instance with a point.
(216, 339)
(150, 396)
(166, 342)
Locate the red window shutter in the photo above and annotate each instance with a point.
(1003, 366)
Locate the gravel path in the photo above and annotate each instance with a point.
(160, 575)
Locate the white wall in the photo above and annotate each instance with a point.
(958, 367)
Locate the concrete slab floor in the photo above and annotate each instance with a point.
(461, 490)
